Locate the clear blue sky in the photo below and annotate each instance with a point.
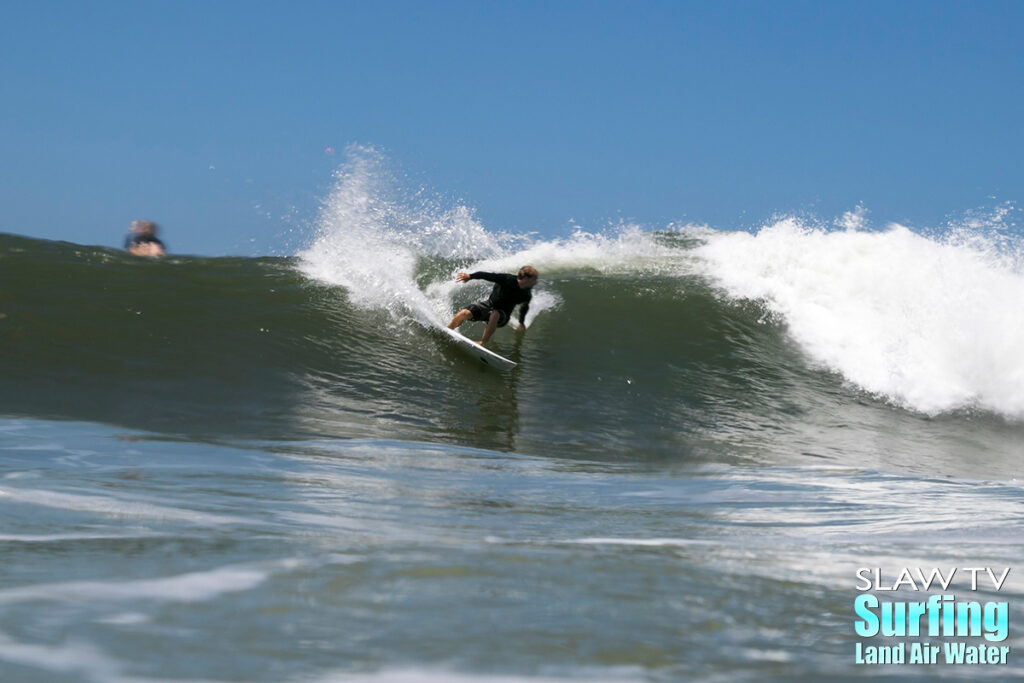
(533, 113)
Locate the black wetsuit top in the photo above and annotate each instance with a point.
(131, 240)
(507, 294)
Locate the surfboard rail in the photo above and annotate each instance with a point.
(479, 352)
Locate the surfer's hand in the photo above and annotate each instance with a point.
(462, 277)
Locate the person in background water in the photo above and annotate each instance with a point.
(142, 240)
(509, 291)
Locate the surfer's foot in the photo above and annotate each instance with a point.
(480, 343)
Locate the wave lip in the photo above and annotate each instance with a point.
(932, 325)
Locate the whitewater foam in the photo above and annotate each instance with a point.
(67, 658)
(372, 238)
(930, 324)
(114, 507)
(192, 587)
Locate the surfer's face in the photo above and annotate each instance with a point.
(527, 282)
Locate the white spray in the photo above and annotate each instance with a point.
(934, 325)
(371, 235)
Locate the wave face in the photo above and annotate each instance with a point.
(929, 325)
(793, 342)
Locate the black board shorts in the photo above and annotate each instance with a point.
(481, 310)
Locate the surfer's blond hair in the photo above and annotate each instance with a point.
(527, 272)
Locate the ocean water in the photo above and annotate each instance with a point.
(276, 469)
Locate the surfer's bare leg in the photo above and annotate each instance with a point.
(460, 317)
(492, 325)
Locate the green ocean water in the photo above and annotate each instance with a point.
(276, 469)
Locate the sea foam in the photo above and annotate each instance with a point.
(931, 324)
(373, 234)
(198, 586)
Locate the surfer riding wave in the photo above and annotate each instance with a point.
(509, 291)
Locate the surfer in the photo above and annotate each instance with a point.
(509, 291)
(143, 240)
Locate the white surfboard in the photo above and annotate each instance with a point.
(477, 351)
